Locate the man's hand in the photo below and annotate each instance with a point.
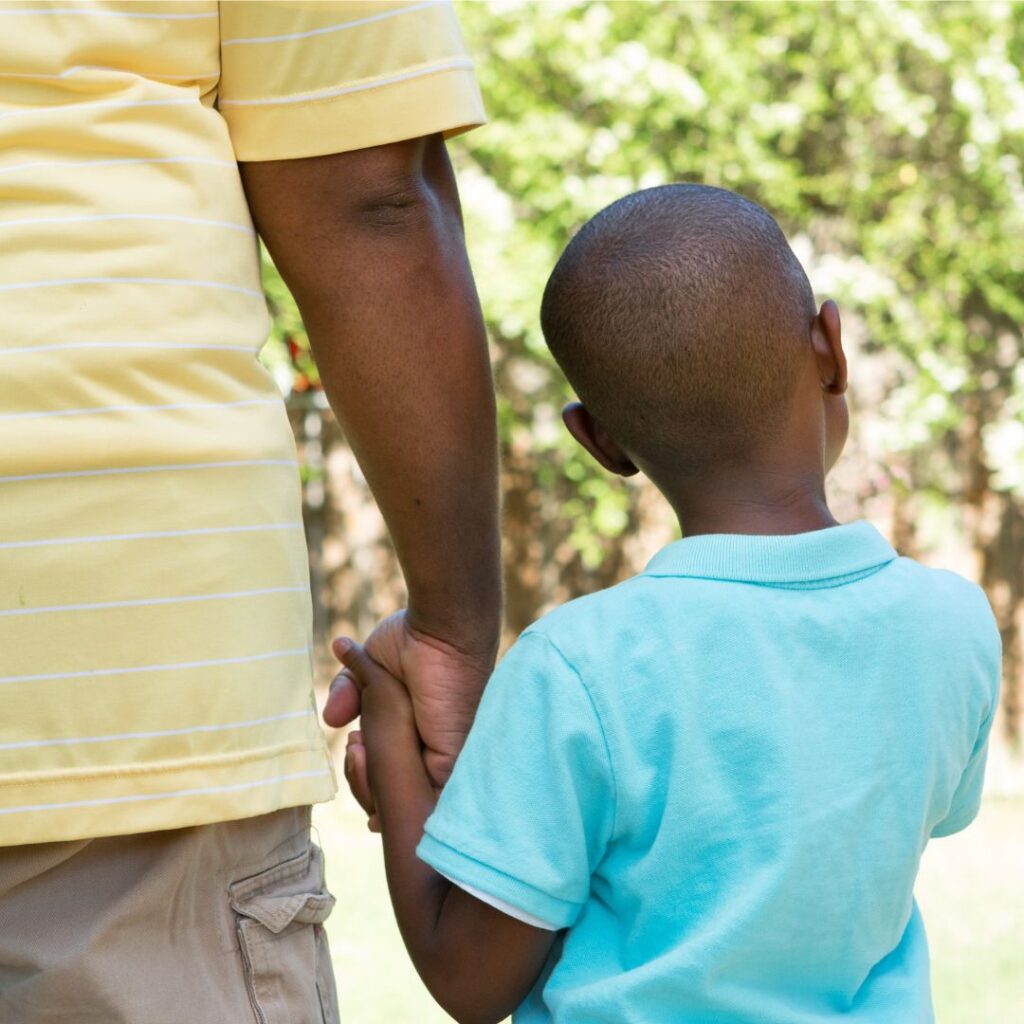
(444, 682)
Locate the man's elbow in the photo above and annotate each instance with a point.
(403, 187)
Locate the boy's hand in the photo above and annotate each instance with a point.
(444, 682)
(387, 717)
(359, 778)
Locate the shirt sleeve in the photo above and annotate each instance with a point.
(967, 798)
(528, 812)
(966, 802)
(305, 79)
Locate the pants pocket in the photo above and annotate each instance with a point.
(280, 915)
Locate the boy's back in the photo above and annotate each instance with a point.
(722, 774)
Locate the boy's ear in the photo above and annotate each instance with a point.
(596, 440)
(826, 339)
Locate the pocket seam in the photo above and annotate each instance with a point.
(245, 888)
(258, 942)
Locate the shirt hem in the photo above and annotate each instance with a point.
(192, 794)
(443, 102)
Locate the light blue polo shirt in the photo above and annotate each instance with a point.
(719, 777)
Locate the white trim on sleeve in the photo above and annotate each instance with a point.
(505, 908)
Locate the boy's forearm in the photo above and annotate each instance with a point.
(477, 963)
(404, 798)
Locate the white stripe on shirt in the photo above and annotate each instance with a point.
(170, 468)
(99, 67)
(199, 531)
(323, 94)
(333, 28)
(149, 602)
(171, 407)
(94, 217)
(174, 666)
(23, 744)
(61, 346)
(61, 282)
(99, 13)
(234, 787)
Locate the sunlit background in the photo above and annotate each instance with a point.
(887, 138)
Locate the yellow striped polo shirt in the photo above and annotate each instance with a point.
(155, 666)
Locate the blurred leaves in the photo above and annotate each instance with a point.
(890, 135)
(888, 140)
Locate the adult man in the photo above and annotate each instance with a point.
(159, 748)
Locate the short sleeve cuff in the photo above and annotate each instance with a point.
(956, 821)
(474, 874)
(411, 105)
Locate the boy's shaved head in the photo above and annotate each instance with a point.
(681, 317)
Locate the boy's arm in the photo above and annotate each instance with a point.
(477, 962)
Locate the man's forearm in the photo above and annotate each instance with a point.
(388, 300)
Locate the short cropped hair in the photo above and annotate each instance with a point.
(681, 316)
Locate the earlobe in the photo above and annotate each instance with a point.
(592, 436)
(826, 338)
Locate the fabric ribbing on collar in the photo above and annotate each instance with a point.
(819, 557)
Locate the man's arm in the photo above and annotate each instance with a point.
(371, 245)
(477, 962)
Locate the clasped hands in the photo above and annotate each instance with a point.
(402, 671)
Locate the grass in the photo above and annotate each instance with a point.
(971, 892)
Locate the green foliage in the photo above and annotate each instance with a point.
(287, 354)
(887, 139)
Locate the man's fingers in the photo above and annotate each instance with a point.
(439, 766)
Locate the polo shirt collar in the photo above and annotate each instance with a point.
(835, 553)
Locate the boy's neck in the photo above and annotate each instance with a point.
(750, 501)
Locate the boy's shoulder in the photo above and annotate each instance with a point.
(589, 611)
(601, 624)
(607, 623)
(945, 591)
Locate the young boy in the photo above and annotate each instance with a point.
(700, 795)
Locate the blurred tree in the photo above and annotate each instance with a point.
(887, 138)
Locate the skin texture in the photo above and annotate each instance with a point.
(371, 245)
(477, 962)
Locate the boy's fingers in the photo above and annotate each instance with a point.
(359, 664)
(358, 779)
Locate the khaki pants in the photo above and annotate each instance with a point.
(218, 924)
